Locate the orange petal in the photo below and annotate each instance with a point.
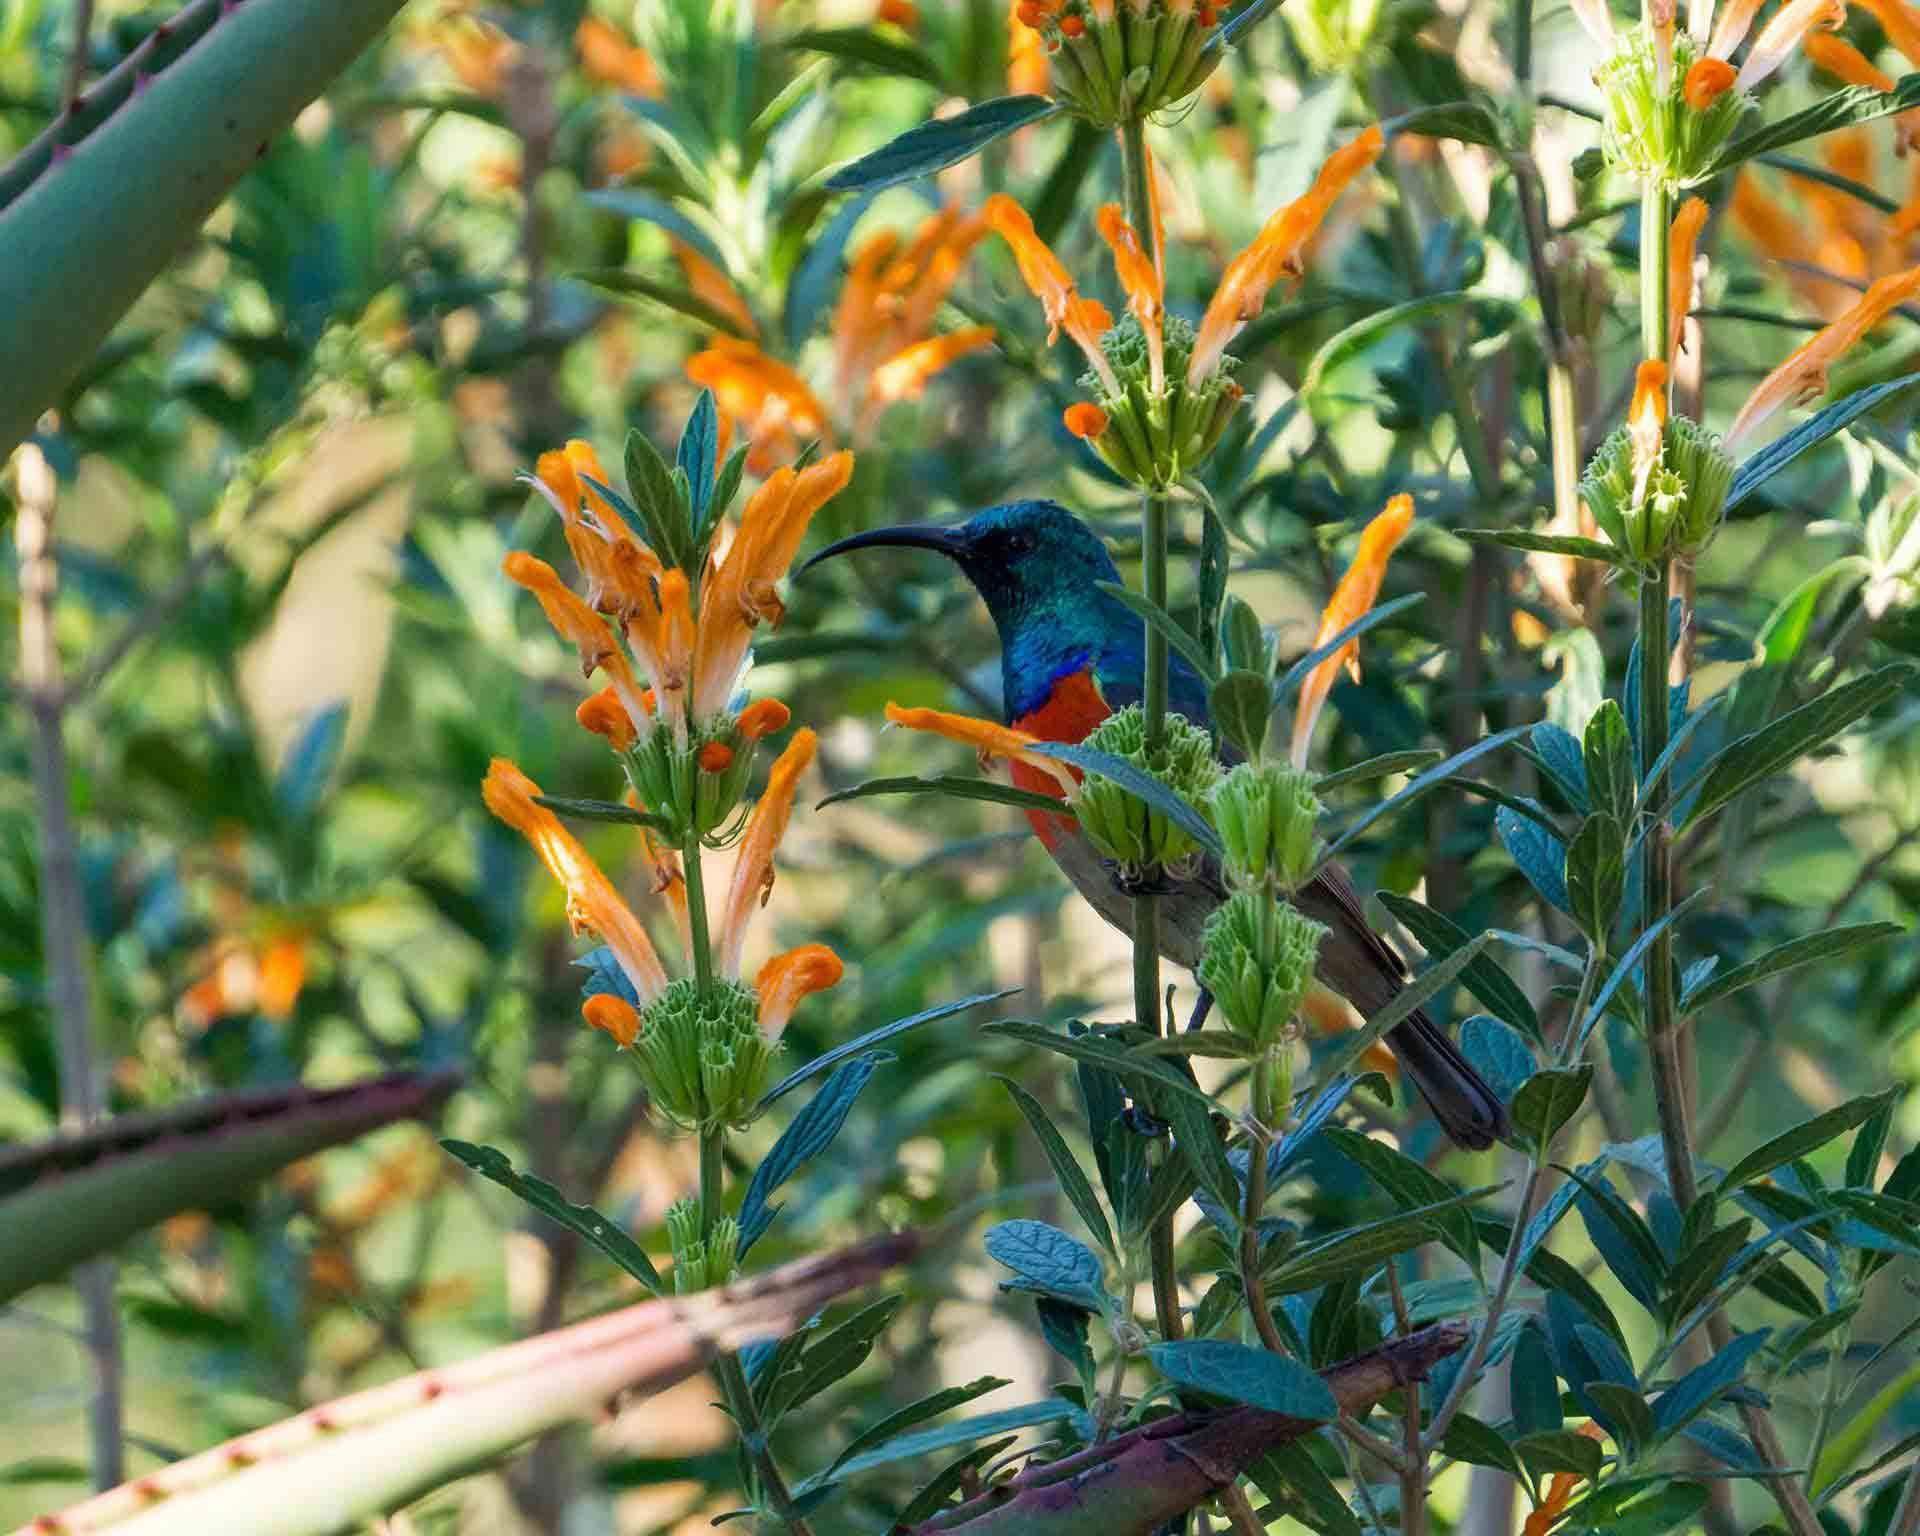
(712, 287)
(1707, 81)
(904, 375)
(1844, 62)
(1352, 599)
(1085, 419)
(1804, 374)
(592, 902)
(1327, 1014)
(987, 737)
(1050, 283)
(786, 979)
(609, 59)
(762, 718)
(1681, 240)
(613, 1014)
(753, 871)
(1275, 252)
(1900, 21)
(1027, 70)
(1140, 278)
(1731, 25)
(604, 715)
(716, 757)
(571, 618)
(1780, 36)
(283, 972)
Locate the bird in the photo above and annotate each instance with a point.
(1070, 654)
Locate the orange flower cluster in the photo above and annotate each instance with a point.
(885, 347)
(608, 58)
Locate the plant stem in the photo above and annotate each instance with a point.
(697, 911)
(1656, 212)
(1136, 171)
(1663, 1024)
(1251, 1285)
(63, 922)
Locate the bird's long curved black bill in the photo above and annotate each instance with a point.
(946, 541)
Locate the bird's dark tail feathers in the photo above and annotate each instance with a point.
(1468, 1110)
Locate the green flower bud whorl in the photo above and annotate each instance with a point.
(1705, 471)
(702, 1056)
(1121, 825)
(700, 1262)
(1658, 134)
(1268, 817)
(1158, 439)
(1257, 958)
(696, 783)
(1677, 511)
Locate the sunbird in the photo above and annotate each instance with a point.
(1070, 654)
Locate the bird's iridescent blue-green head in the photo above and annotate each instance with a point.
(1038, 568)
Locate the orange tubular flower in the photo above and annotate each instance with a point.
(772, 403)
(785, 979)
(1275, 253)
(613, 1014)
(762, 718)
(740, 592)
(1085, 320)
(1329, 1015)
(1027, 70)
(604, 715)
(1900, 21)
(753, 873)
(1731, 26)
(1084, 419)
(1707, 81)
(1843, 61)
(988, 738)
(1804, 374)
(1682, 237)
(711, 286)
(904, 376)
(607, 58)
(592, 902)
(1141, 279)
(1352, 599)
(570, 617)
(1647, 421)
(1780, 36)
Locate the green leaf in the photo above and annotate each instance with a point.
(1047, 1260)
(1467, 121)
(811, 1132)
(698, 456)
(1816, 429)
(1636, 1509)
(1254, 1376)
(1101, 1051)
(1559, 1450)
(872, 1038)
(1863, 1157)
(1364, 332)
(905, 1447)
(1693, 1393)
(637, 285)
(1293, 1481)
(1198, 1143)
(1597, 874)
(1808, 1136)
(1626, 1413)
(1406, 1002)
(1241, 704)
(1360, 1248)
(949, 1481)
(955, 787)
(857, 45)
(1548, 1100)
(1066, 1167)
(1851, 1439)
(934, 146)
(602, 1231)
(831, 1357)
(1535, 1389)
(310, 761)
(1410, 1186)
(1606, 749)
(602, 810)
(1855, 104)
(1546, 544)
(1479, 1444)
(1695, 1273)
(1424, 782)
(651, 484)
(1807, 950)
(1440, 935)
(1140, 784)
(1164, 623)
(1378, 768)
(1499, 1052)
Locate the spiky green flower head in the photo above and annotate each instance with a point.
(700, 1260)
(1121, 825)
(701, 1054)
(693, 777)
(1268, 819)
(1257, 957)
(1656, 132)
(1156, 438)
(1112, 60)
(1674, 508)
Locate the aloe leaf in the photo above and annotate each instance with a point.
(68, 1199)
(88, 222)
(333, 1467)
